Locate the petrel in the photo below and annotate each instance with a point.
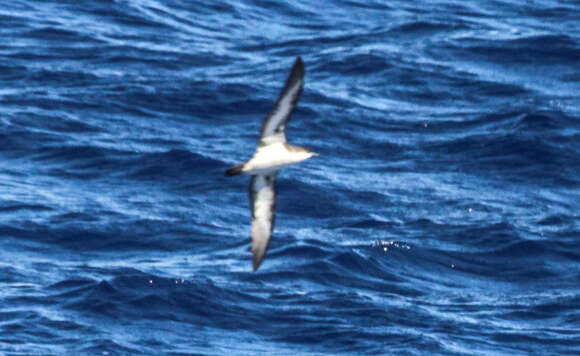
(272, 154)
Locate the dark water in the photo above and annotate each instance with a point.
(442, 216)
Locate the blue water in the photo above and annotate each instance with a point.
(442, 216)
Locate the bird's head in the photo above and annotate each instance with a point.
(303, 151)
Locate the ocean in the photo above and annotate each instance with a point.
(442, 216)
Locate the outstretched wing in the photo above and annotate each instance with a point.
(263, 203)
(275, 123)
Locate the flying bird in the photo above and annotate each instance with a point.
(272, 154)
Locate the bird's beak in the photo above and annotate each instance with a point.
(315, 154)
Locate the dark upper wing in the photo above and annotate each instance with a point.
(262, 203)
(275, 123)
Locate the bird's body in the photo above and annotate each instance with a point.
(273, 157)
(272, 154)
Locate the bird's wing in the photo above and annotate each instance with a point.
(263, 203)
(275, 123)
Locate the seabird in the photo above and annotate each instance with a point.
(272, 154)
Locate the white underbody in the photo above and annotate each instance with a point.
(271, 158)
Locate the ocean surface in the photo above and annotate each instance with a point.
(442, 216)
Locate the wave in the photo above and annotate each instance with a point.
(440, 218)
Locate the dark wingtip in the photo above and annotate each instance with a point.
(256, 265)
(298, 67)
(257, 259)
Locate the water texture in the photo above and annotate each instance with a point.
(442, 216)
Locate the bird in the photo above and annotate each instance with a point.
(272, 154)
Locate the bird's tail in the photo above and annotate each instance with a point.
(235, 170)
